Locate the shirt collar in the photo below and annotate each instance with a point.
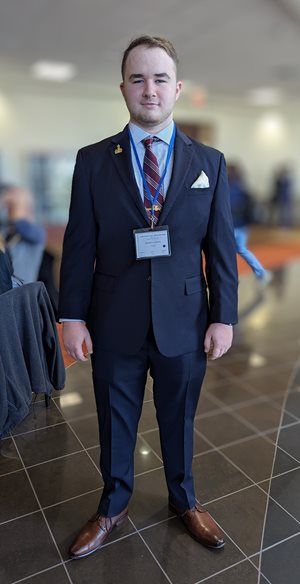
(138, 134)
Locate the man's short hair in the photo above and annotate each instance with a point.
(151, 42)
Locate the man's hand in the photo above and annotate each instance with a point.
(74, 335)
(218, 340)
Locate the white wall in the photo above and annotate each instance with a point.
(31, 123)
(259, 139)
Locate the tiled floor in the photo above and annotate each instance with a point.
(246, 468)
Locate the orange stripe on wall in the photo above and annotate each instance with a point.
(271, 256)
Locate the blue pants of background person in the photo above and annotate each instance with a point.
(241, 238)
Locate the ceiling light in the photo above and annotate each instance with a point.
(270, 128)
(265, 96)
(53, 71)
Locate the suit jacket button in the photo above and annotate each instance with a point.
(149, 278)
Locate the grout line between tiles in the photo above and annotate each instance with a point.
(82, 445)
(149, 445)
(19, 517)
(296, 367)
(222, 571)
(270, 498)
(42, 512)
(38, 429)
(37, 574)
(151, 552)
(250, 426)
(29, 466)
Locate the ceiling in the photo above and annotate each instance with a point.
(227, 47)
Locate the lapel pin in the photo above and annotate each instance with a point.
(118, 150)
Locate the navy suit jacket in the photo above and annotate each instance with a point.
(119, 296)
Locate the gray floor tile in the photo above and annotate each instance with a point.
(86, 430)
(76, 403)
(42, 445)
(9, 458)
(205, 405)
(270, 383)
(148, 419)
(183, 559)
(53, 576)
(222, 428)
(144, 458)
(26, 548)
(282, 563)
(63, 478)
(256, 458)
(200, 444)
(285, 490)
(16, 496)
(243, 573)
(289, 440)
(231, 393)
(134, 564)
(242, 516)
(39, 417)
(263, 416)
(292, 403)
(149, 503)
(215, 477)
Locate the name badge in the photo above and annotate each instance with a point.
(152, 243)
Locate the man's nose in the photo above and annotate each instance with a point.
(149, 88)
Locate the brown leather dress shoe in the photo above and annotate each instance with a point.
(201, 526)
(94, 533)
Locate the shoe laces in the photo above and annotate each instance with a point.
(105, 523)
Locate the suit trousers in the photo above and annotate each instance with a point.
(119, 383)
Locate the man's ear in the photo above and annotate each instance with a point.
(122, 87)
(178, 89)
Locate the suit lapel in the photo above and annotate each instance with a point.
(123, 164)
(182, 159)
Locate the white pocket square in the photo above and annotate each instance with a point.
(201, 182)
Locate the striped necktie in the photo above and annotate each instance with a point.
(152, 177)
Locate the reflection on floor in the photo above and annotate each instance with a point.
(246, 467)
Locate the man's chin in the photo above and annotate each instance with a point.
(149, 120)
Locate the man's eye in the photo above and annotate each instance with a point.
(160, 81)
(137, 81)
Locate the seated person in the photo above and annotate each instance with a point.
(6, 270)
(24, 238)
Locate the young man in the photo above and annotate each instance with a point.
(146, 205)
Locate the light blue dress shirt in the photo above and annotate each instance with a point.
(160, 149)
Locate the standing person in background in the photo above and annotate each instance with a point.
(145, 205)
(282, 199)
(24, 238)
(241, 208)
